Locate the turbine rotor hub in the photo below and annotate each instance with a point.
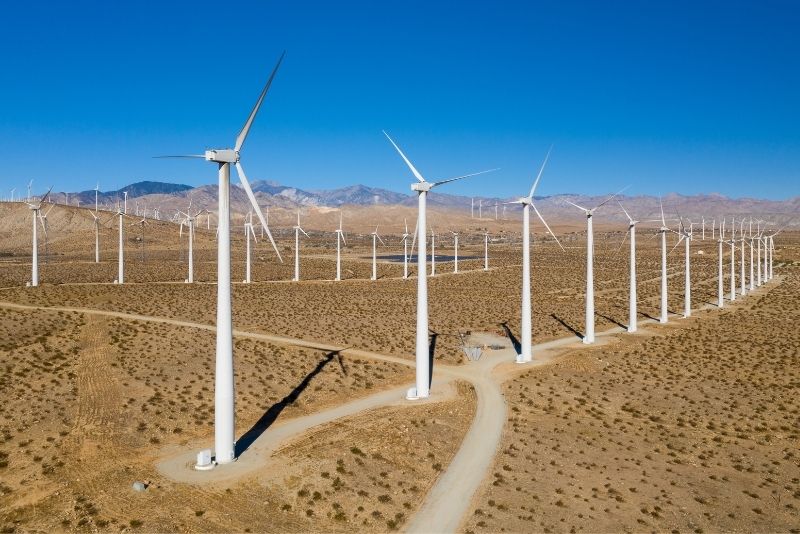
(225, 155)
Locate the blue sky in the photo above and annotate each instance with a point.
(667, 96)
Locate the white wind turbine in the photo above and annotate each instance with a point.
(750, 232)
(339, 242)
(663, 317)
(224, 418)
(248, 233)
(96, 237)
(375, 239)
(720, 290)
(455, 239)
(35, 208)
(121, 248)
(589, 335)
(632, 313)
(433, 252)
(686, 236)
(297, 230)
(406, 235)
(188, 220)
(423, 374)
(43, 218)
(758, 257)
(742, 288)
(526, 328)
(733, 259)
(486, 250)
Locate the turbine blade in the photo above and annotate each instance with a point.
(624, 238)
(541, 170)
(190, 156)
(546, 226)
(572, 203)
(440, 182)
(252, 197)
(663, 222)
(246, 128)
(626, 211)
(414, 171)
(304, 232)
(381, 240)
(611, 197)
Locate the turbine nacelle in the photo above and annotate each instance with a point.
(225, 155)
(422, 186)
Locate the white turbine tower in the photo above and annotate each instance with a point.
(632, 313)
(750, 232)
(663, 317)
(121, 250)
(188, 220)
(486, 251)
(35, 209)
(455, 239)
(375, 239)
(224, 430)
(686, 236)
(406, 235)
(758, 249)
(742, 288)
(248, 233)
(423, 373)
(589, 335)
(720, 282)
(297, 230)
(733, 259)
(339, 242)
(96, 237)
(526, 328)
(433, 253)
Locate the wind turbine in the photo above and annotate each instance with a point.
(43, 218)
(742, 289)
(663, 231)
(526, 329)
(188, 220)
(455, 239)
(248, 232)
(35, 208)
(720, 240)
(224, 431)
(433, 253)
(486, 250)
(422, 353)
(142, 222)
(375, 239)
(406, 235)
(733, 259)
(686, 236)
(297, 230)
(589, 336)
(339, 241)
(632, 314)
(758, 257)
(96, 237)
(750, 232)
(12, 193)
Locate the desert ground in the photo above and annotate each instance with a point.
(690, 425)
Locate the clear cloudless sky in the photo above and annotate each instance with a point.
(685, 96)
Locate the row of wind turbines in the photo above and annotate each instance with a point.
(224, 412)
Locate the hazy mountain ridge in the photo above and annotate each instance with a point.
(169, 197)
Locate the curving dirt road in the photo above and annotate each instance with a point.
(450, 499)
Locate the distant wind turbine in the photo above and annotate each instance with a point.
(632, 313)
(297, 230)
(375, 239)
(339, 241)
(422, 187)
(526, 326)
(35, 208)
(589, 336)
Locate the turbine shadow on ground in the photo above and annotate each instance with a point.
(510, 335)
(565, 325)
(272, 413)
(611, 320)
